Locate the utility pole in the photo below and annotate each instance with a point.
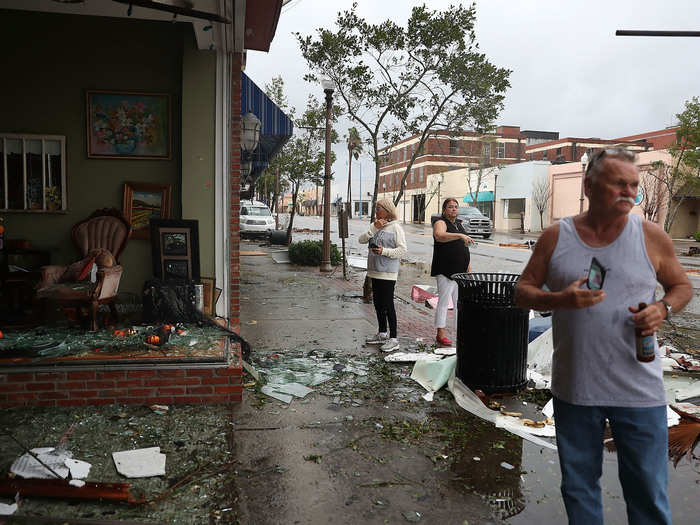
(326, 253)
(277, 197)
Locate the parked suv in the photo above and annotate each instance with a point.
(474, 222)
(256, 218)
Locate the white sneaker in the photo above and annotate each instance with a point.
(377, 339)
(391, 345)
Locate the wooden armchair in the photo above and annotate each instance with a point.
(100, 239)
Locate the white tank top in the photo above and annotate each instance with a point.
(594, 361)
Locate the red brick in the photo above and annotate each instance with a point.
(84, 394)
(41, 386)
(83, 374)
(204, 372)
(175, 381)
(12, 387)
(215, 380)
(21, 397)
(113, 392)
(54, 395)
(142, 392)
(70, 402)
(70, 385)
(107, 401)
(141, 373)
(45, 403)
(20, 378)
(171, 391)
(192, 400)
(112, 374)
(131, 401)
(100, 384)
(228, 389)
(162, 400)
(171, 373)
(50, 376)
(200, 390)
(230, 371)
(129, 383)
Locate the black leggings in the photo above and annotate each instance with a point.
(383, 295)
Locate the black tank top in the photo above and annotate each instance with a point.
(450, 257)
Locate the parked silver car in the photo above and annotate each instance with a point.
(474, 222)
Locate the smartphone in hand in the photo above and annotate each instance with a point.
(596, 275)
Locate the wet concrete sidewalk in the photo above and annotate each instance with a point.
(363, 447)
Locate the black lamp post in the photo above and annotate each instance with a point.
(326, 255)
(584, 162)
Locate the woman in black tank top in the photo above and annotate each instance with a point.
(450, 256)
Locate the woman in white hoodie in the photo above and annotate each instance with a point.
(387, 243)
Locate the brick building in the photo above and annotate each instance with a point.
(443, 152)
(571, 149)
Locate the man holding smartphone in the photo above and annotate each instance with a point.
(595, 373)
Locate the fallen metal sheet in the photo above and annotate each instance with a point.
(410, 357)
(690, 392)
(140, 463)
(281, 257)
(469, 401)
(446, 351)
(57, 488)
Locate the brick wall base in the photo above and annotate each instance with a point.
(69, 386)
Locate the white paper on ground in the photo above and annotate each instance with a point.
(7, 510)
(78, 469)
(140, 463)
(548, 409)
(539, 355)
(471, 403)
(26, 466)
(445, 351)
(409, 357)
(268, 390)
(433, 375)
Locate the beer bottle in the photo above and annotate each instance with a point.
(644, 343)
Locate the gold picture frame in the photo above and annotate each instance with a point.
(209, 293)
(143, 202)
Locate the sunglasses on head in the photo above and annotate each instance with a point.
(598, 157)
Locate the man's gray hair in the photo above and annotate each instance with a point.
(595, 166)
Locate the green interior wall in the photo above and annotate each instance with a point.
(198, 139)
(49, 61)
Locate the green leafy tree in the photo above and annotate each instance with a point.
(681, 178)
(354, 142)
(397, 81)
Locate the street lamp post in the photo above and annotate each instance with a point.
(439, 181)
(584, 162)
(326, 255)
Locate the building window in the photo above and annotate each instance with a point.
(544, 156)
(558, 151)
(486, 151)
(501, 150)
(420, 174)
(454, 147)
(32, 172)
(396, 180)
(514, 207)
(413, 176)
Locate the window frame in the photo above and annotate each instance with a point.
(501, 150)
(23, 138)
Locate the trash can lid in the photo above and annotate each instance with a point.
(487, 289)
(485, 277)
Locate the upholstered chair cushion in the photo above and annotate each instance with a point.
(103, 257)
(78, 271)
(100, 232)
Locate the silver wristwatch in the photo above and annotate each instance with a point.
(668, 308)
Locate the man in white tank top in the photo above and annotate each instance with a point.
(595, 372)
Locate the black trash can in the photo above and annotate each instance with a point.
(491, 333)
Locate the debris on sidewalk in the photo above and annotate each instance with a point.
(48, 463)
(140, 463)
(410, 357)
(159, 409)
(425, 293)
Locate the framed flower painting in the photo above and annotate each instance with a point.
(128, 125)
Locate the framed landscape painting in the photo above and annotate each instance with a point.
(143, 202)
(128, 125)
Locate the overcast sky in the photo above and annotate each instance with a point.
(571, 74)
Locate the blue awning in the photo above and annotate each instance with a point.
(483, 196)
(276, 127)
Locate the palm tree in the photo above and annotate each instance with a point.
(354, 149)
